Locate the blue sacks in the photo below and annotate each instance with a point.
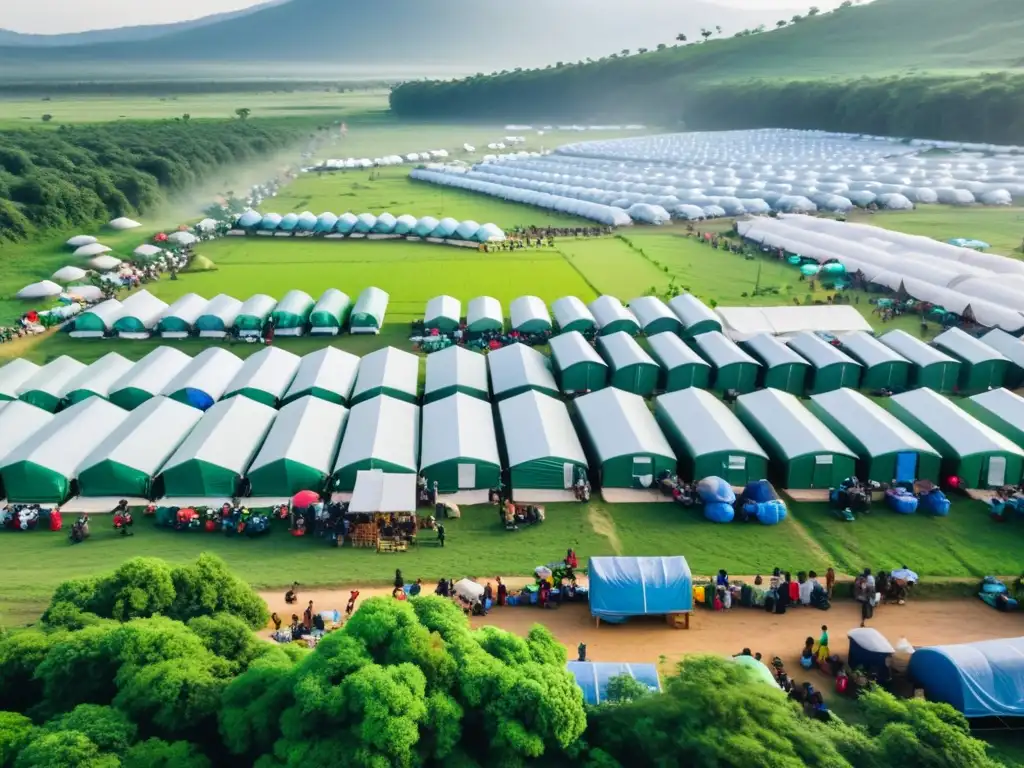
(715, 489)
(719, 512)
(901, 501)
(935, 502)
(770, 512)
(759, 491)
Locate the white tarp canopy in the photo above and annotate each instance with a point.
(90, 250)
(307, 431)
(107, 313)
(961, 431)
(52, 379)
(740, 323)
(568, 349)
(41, 290)
(18, 422)
(690, 310)
(527, 309)
(79, 240)
(650, 309)
(707, 424)
(153, 372)
(517, 366)
(817, 351)
(188, 308)
(797, 431)
(14, 375)
(1006, 405)
(223, 307)
(537, 426)
(100, 376)
(1007, 345)
(446, 307)
(484, 308)
(877, 430)
(271, 370)
(69, 274)
(458, 427)
(772, 351)
(210, 372)
(227, 436)
(144, 307)
(672, 352)
(869, 350)
(620, 424)
(570, 309)
(122, 223)
(456, 367)
(721, 350)
(329, 370)
(388, 369)
(382, 429)
(383, 492)
(966, 347)
(148, 250)
(620, 350)
(914, 350)
(608, 310)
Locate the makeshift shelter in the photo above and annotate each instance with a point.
(43, 467)
(781, 367)
(148, 251)
(571, 314)
(127, 461)
(213, 458)
(46, 389)
(654, 316)
(330, 313)
(14, 375)
(632, 369)
(870, 651)
(140, 313)
(929, 366)
(1001, 410)
(886, 448)
(328, 373)
(18, 422)
(830, 368)
(981, 679)
(97, 379)
(388, 371)
(291, 315)
(443, 313)
(459, 448)
(253, 314)
(709, 439)
(79, 240)
(104, 263)
(883, 367)
(624, 442)
(205, 379)
(299, 452)
(122, 223)
(148, 377)
(981, 366)
(69, 274)
(368, 313)
(733, 368)
(594, 677)
(681, 367)
(978, 454)
(218, 317)
(621, 587)
(529, 315)
(517, 368)
(379, 492)
(91, 250)
(382, 433)
(455, 369)
(1012, 349)
(542, 451)
(612, 316)
(180, 318)
(804, 452)
(98, 320)
(483, 315)
(44, 289)
(576, 364)
(740, 323)
(265, 376)
(694, 316)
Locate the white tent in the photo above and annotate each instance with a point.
(104, 263)
(442, 308)
(79, 240)
(265, 376)
(517, 368)
(376, 491)
(329, 373)
(91, 250)
(483, 309)
(619, 423)
(98, 378)
(68, 274)
(179, 318)
(218, 316)
(205, 379)
(13, 375)
(537, 427)
(387, 371)
(382, 433)
(455, 369)
(148, 251)
(140, 313)
(148, 377)
(608, 311)
(41, 290)
(49, 384)
(18, 422)
(528, 312)
(182, 238)
(122, 223)
(569, 310)
(458, 427)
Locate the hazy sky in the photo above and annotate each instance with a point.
(55, 16)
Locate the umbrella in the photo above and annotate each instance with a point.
(305, 499)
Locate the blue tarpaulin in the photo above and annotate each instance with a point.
(197, 398)
(981, 679)
(639, 586)
(593, 676)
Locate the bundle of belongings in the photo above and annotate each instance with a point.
(852, 496)
(718, 498)
(995, 593)
(682, 492)
(761, 502)
(28, 517)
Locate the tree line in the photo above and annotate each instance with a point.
(79, 176)
(158, 666)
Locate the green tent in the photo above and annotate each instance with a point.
(299, 452)
(887, 448)
(624, 442)
(781, 367)
(483, 315)
(97, 320)
(541, 448)
(576, 364)
(1001, 410)
(148, 377)
(46, 389)
(140, 314)
(459, 446)
(97, 379)
(328, 373)
(632, 369)
(13, 375)
(292, 313)
(654, 316)
(694, 315)
(253, 314)
(127, 461)
(804, 452)
(981, 367)
(612, 317)
(930, 367)
(18, 422)
(388, 371)
(443, 313)
(180, 318)
(734, 368)
(709, 439)
(265, 376)
(830, 368)
(369, 311)
(218, 317)
(455, 369)
(330, 313)
(883, 366)
(528, 314)
(206, 378)
(517, 368)
(681, 367)
(382, 433)
(571, 314)
(1012, 349)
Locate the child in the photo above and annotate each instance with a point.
(807, 656)
(830, 581)
(823, 644)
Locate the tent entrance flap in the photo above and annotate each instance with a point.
(467, 476)
(906, 467)
(996, 471)
(643, 471)
(568, 475)
(823, 471)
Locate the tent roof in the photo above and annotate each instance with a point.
(707, 424)
(773, 351)
(570, 309)
(869, 350)
(620, 424)
(144, 307)
(983, 678)
(330, 368)
(672, 352)
(1004, 404)
(18, 422)
(571, 348)
(377, 491)
(153, 372)
(270, 370)
(332, 301)
(188, 308)
(967, 347)
(622, 350)
(536, 426)
(224, 307)
(14, 374)
(484, 307)
(295, 302)
(228, 435)
(108, 312)
(870, 639)
(914, 350)
(797, 431)
(817, 351)
(648, 309)
(147, 437)
(211, 371)
(443, 306)
(383, 428)
(259, 305)
(1007, 345)
(639, 586)
(456, 367)
(53, 377)
(391, 368)
(721, 350)
(458, 427)
(608, 309)
(527, 308)
(100, 376)
(874, 427)
(964, 433)
(743, 322)
(518, 365)
(306, 431)
(690, 310)
(593, 677)
(374, 302)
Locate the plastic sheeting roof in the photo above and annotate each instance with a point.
(743, 322)
(817, 351)
(330, 369)
(447, 307)
(639, 586)
(18, 422)
(965, 346)
(649, 309)
(982, 679)
(671, 352)
(187, 309)
(608, 309)
(527, 308)
(211, 371)
(797, 431)
(964, 433)
(877, 430)
(259, 305)
(1003, 403)
(100, 376)
(373, 302)
(228, 435)
(456, 367)
(690, 310)
(1009, 346)
(377, 491)
(707, 424)
(593, 677)
(868, 350)
(537, 426)
(721, 350)
(223, 307)
(53, 378)
(108, 312)
(620, 424)
(518, 365)
(914, 350)
(389, 367)
(382, 428)
(307, 431)
(270, 370)
(484, 308)
(571, 348)
(458, 427)
(144, 307)
(621, 350)
(570, 309)
(14, 375)
(153, 372)
(773, 351)
(295, 302)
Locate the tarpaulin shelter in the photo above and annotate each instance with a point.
(983, 679)
(253, 314)
(1012, 349)
(886, 448)
(178, 320)
(330, 313)
(740, 323)
(265, 376)
(593, 677)
(930, 367)
(681, 367)
(18, 422)
(624, 442)
(830, 368)
(708, 438)
(632, 369)
(804, 452)
(517, 368)
(981, 366)
(98, 319)
(382, 433)
(43, 467)
(694, 315)
(455, 369)
(733, 368)
(443, 313)
(97, 379)
(368, 313)
(148, 377)
(970, 449)
(781, 367)
(542, 450)
(459, 449)
(379, 492)
(47, 387)
(140, 313)
(654, 316)
(870, 651)
(571, 314)
(299, 452)
(621, 587)
(1001, 410)
(218, 317)
(576, 364)
(528, 314)
(127, 461)
(612, 316)
(328, 373)
(14, 375)
(883, 366)
(205, 379)
(388, 371)
(211, 461)
(483, 315)
(291, 314)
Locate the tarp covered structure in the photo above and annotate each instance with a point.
(98, 319)
(459, 449)
(368, 313)
(382, 433)
(983, 679)
(681, 367)
(148, 377)
(389, 371)
(576, 364)
(18, 422)
(733, 368)
(631, 368)
(483, 315)
(443, 313)
(205, 379)
(329, 373)
(612, 316)
(830, 368)
(883, 366)
(1000, 409)
(621, 587)
(694, 315)
(218, 317)
(382, 492)
(1012, 349)
(97, 379)
(182, 315)
(517, 368)
(330, 313)
(593, 677)
(265, 376)
(542, 450)
(291, 314)
(253, 314)
(929, 366)
(982, 367)
(781, 367)
(528, 314)
(140, 313)
(654, 316)
(13, 375)
(455, 369)
(571, 314)
(740, 323)
(47, 387)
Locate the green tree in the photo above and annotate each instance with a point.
(623, 688)
(186, 117)
(155, 753)
(781, 23)
(20, 654)
(243, 113)
(107, 728)
(15, 732)
(706, 33)
(813, 10)
(681, 38)
(62, 750)
(230, 638)
(47, 117)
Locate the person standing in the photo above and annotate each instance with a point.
(502, 592)
(823, 653)
(307, 617)
(440, 534)
(830, 581)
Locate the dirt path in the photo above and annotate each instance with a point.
(604, 525)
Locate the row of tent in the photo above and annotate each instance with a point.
(368, 223)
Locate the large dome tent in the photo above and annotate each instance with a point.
(445, 228)
(306, 222)
(576, 364)
(631, 369)
(253, 314)
(328, 373)
(529, 315)
(382, 433)
(18, 422)
(541, 447)
(365, 222)
(91, 250)
(681, 367)
(265, 376)
(484, 315)
(369, 311)
(218, 317)
(571, 314)
(405, 224)
(148, 377)
(205, 379)
(69, 274)
(612, 316)
(443, 313)
(249, 220)
(123, 223)
(346, 223)
(140, 314)
(291, 314)
(425, 226)
(518, 368)
(44, 289)
(13, 375)
(389, 371)
(459, 449)
(288, 222)
(654, 316)
(455, 370)
(79, 240)
(96, 379)
(47, 387)
(177, 321)
(325, 223)
(270, 221)
(385, 224)
(330, 313)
